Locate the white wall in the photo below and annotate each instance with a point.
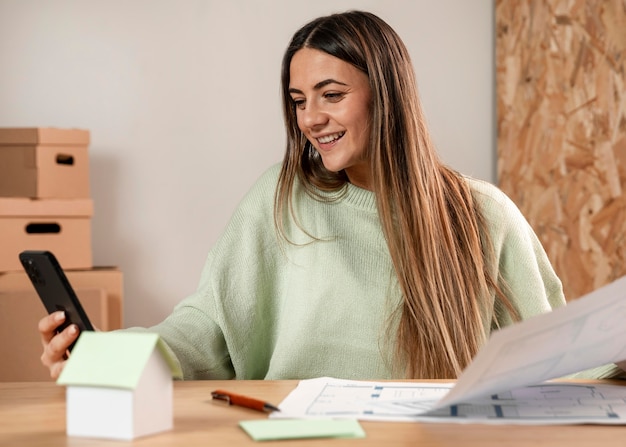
(182, 100)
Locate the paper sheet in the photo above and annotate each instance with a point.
(546, 404)
(587, 333)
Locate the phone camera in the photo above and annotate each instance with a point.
(33, 272)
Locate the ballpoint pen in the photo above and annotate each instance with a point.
(243, 401)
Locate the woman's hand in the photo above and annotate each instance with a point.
(55, 345)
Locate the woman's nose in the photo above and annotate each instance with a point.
(313, 116)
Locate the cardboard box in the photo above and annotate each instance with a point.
(44, 163)
(60, 226)
(43, 136)
(21, 347)
(109, 279)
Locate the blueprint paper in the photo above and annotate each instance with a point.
(588, 332)
(549, 403)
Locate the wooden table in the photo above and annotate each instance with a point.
(33, 414)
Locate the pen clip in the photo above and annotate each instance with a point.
(221, 396)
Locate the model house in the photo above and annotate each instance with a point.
(119, 385)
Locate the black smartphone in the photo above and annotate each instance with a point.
(54, 289)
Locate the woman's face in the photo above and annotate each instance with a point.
(332, 99)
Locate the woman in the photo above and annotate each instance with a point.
(361, 255)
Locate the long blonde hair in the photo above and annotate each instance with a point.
(436, 236)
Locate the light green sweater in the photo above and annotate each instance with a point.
(270, 310)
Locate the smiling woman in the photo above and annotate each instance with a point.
(361, 255)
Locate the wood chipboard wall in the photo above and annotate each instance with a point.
(561, 119)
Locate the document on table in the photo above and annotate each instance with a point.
(544, 404)
(506, 382)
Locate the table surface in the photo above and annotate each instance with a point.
(33, 414)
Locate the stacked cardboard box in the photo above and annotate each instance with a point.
(45, 204)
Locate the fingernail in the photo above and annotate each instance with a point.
(73, 329)
(59, 316)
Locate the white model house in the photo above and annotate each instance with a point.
(119, 385)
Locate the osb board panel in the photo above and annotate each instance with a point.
(561, 117)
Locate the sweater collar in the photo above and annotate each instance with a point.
(360, 198)
(352, 195)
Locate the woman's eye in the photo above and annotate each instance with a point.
(333, 96)
(299, 103)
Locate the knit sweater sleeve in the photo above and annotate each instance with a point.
(194, 331)
(521, 264)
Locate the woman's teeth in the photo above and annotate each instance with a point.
(330, 138)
